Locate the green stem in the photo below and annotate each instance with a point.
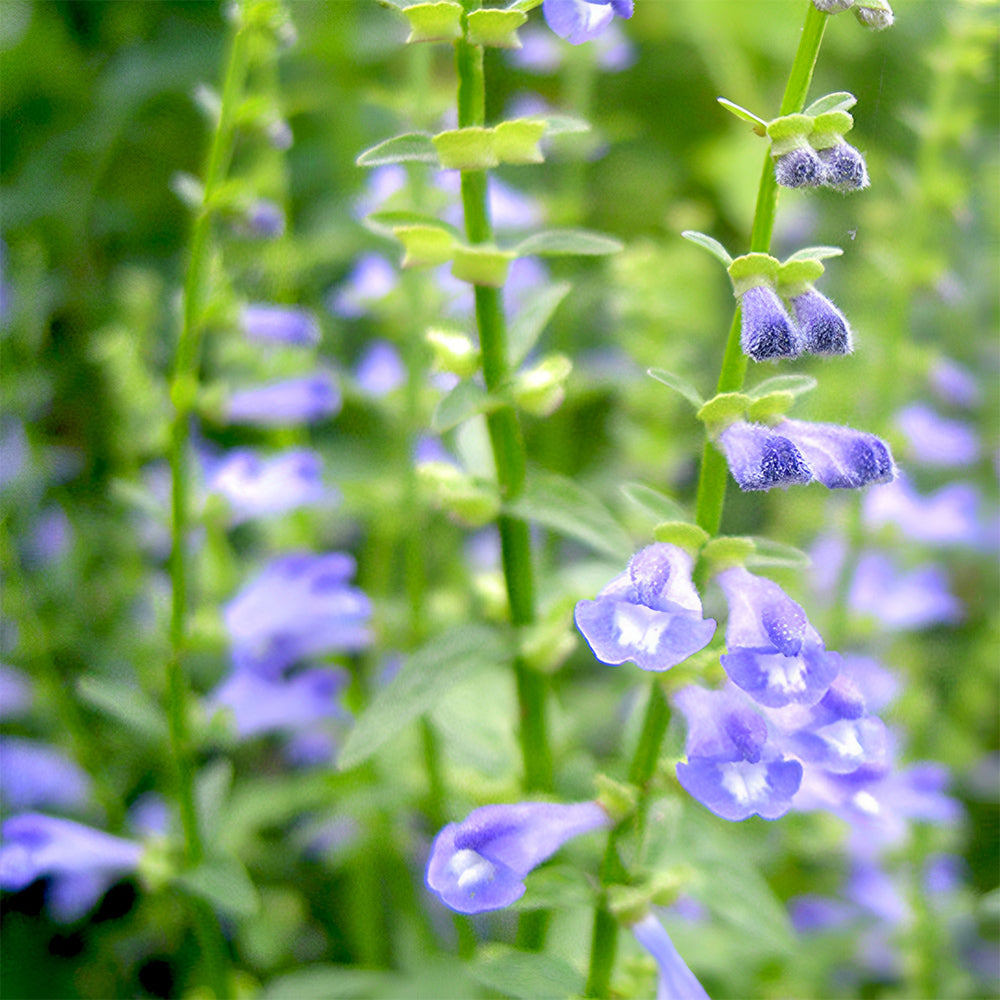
(183, 394)
(505, 434)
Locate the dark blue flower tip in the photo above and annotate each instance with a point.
(579, 21)
(759, 459)
(843, 168)
(799, 167)
(766, 330)
(821, 324)
(840, 457)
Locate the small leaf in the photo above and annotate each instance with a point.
(662, 507)
(840, 101)
(566, 508)
(481, 265)
(496, 28)
(568, 241)
(770, 405)
(124, 701)
(729, 550)
(420, 684)
(525, 975)
(713, 246)
(740, 112)
(464, 401)
(526, 5)
(531, 319)
(565, 125)
(682, 534)
(383, 222)
(425, 245)
(516, 141)
(815, 253)
(795, 384)
(440, 21)
(413, 147)
(223, 883)
(768, 552)
(723, 408)
(472, 148)
(678, 384)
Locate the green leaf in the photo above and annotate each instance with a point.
(472, 148)
(553, 242)
(562, 505)
(495, 28)
(768, 552)
(795, 384)
(439, 21)
(525, 5)
(516, 141)
(741, 112)
(713, 246)
(384, 222)
(223, 883)
(769, 406)
(565, 125)
(425, 246)
(525, 975)
(413, 147)
(662, 507)
(815, 253)
(481, 264)
(420, 684)
(531, 319)
(840, 101)
(330, 982)
(681, 533)
(464, 401)
(723, 409)
(212, 787)
(678, 384)
(124, 701)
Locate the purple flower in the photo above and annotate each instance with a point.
(540, 52)
(732, 768)
(15, 692)
(255, 486)
(900, 600)
(811, 914)
(280, 324)
(840, 457)
(480, 864)
(380, 370)
(650, 614)
(294, 401)
(799, 167)
(510, 209)
(948, 517)
(843, 168)
(579, 21)
(954, 384)
(279, 134)
(821, 324)
(766, 330)
(371, 279)
(83, 861)
(676, 980)
(300, 605)
(759, 459)
(265, 219)
(775, 655)
(934, 440)
(38, 776)
(260, 705)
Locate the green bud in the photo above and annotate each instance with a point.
(874, 14)
(540, 390)
(453, 352)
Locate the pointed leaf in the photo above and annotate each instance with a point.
(124, 701)
(795, 384)
(531, 319)
(223, 883)
(525, 975)
(383, 222)
(438, 21)
(554, 242)
(420, 684)
(562, 505)
(678, 384)
(840, 101)
(565, 125)
(740, 112)
(662, 507)
(713, 246)
(413, 147)
(815, 253)
(768, 552)
(464, 401)
(495, 28)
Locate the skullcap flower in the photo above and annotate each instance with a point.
(579, 21)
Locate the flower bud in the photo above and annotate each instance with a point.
(874, 14)
(453, 352)
(540, 390)
(832, 6)
(795, 161)
(767, 332)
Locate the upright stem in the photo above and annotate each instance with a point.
(709, 506)
(505, 434)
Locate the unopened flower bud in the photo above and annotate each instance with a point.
(540, 390)
(875, 14)
(453, 352)
(832, 6)
(458, 494)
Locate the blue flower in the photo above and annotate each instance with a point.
(370, 280)
(840, 457)
(380, 370)
(843, 167)
(902, 600)
(280, 404)
(954, 384)
(775, 655)
(951, 516)
(279, 323)
(821, 324)
(265, 219)
(300, 605)
(15, 692)
(650, 614)
(83, 861)
(935, 440)
(38, 776)
(676, 980)
(799, 167)
(759, 459)
(579, 21)
(732, 767)
(766, 331)
(480, 864)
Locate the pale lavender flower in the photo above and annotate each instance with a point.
(280, 324)
(371, 279)
(775, 655)
(15, 692)
(950, 516)
(760, 459)
(265, 219)
(821, 324)
(650, 614)
(280, 404)
(380, 369)
(936, 440)
(83, 861)
(905, 600)
(811, 914)
(260, 705)
(279, 134)
(480, 864)
(300, 605)
(840, 457)
(13, 451)
(676, 981)
(256, 487)
(510, 209)
(766, 330)
(954, 384)
(50, 536)
(35, 775)
(580, 21)
(541, 53)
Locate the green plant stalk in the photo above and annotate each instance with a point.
(183, 393)
(710, 501)
(505, 435)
